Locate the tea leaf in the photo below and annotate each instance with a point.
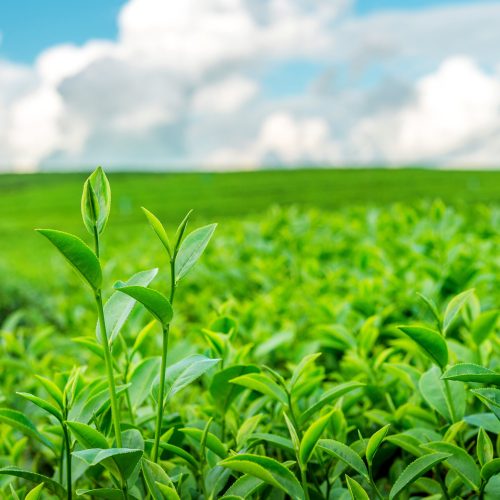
(263, 384)
(191, 249)
(35, 493)
(109, 493)
(186, 371)
(213, 443)
(484, 447)
(460, 461)
(432, 343)
(52, 485)
(78, 254)
(119, 306)
(484, 325)
(87, 436)
(355, 489)
(311, 437)
(415, 470)
(268, 470)
(155, 302)
(45, 405)
(374, 443)
(342, 452)
(159, 230)
(125, 459)
(454, 307)
(469, 372)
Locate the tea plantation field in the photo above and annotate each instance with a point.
(334, 337)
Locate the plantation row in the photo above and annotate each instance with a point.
(310, 355)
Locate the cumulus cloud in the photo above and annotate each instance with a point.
(190, 84)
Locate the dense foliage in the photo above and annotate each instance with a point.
(350, 354)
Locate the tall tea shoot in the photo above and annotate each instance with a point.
(183, 254)
(95, 206)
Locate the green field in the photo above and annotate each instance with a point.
(302, 362)
(52, 200)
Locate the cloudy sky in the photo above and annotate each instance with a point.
(233, 84)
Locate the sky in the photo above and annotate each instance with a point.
(244, 84)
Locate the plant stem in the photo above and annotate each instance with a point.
(161, 394)
(303, 478)
(67, 443)
(115, 411)
(449, 400)
(374, 486)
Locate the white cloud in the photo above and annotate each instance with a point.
(456, 106)
(284, 140)
(188, 81)
(225, 96)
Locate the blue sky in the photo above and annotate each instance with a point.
(30, 26)
(246, 83)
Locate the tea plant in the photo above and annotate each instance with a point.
(313, 371)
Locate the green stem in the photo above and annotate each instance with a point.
(449, 400)
(67, 444)
(303, 477)
(374, 486)
(115, 411)
(161, 394)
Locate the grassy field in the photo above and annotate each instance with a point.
(51, 200)
(301, 362)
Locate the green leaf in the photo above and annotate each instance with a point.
(355, 489)
(433, 344)
(345, 454)
(52, 389)
(330, 396)
(484, 325)
(159, 230)
(488, 395)
(155, 302)
(277, 441)
(302, 367)
(78, 254)
(180, 452)
(119, 306)
(168, 492)
(191, 249)
(87, 436)
(469, 372)
(245, 486)
(432, 307)
(89, 207)
(311, 437)
(484, 447)
(186, 371)
(374, 443)
(433, 391)
(109, 493)
(406, 442)
(41, 403)
(225, 392)
(35, 493)
(459, 460)
(142, 379)
(19, 421)
(181, 229)
(213, 443)
(268, 470)
(454, 306)
(263, 384)
(98, 197)
(52, 485)
(415, 470)
(125, 459)
(490, 469)
(154, 475)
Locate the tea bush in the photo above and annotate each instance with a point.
(351, 354)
